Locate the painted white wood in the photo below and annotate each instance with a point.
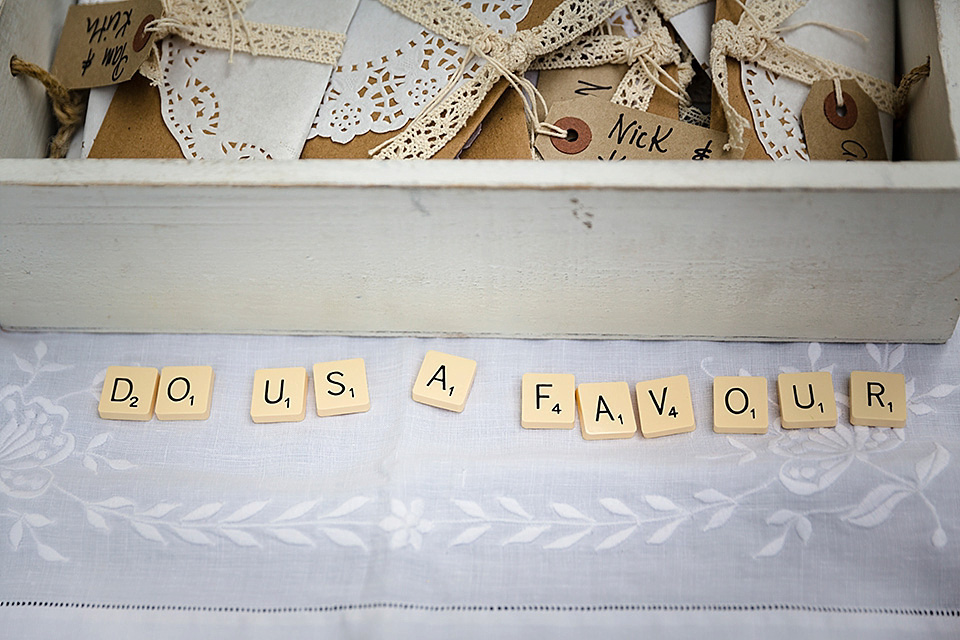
(29, 29)
(483, 249)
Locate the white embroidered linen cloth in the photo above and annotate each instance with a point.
(412, 520)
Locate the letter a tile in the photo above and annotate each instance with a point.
(665, 407)
(806, 400)
(444, 381)
(878, 399)
(185, 393)
(279, 395)
(341, 387)
(547, 401)
(740, 404)
(606, 411)
(129, 393)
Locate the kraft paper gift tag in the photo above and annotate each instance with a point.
(772, 103)
(257, 106)
(389, 44)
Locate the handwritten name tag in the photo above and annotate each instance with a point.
(842, 132)
(104, 44)
(601, 130)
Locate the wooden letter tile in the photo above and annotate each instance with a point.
(665, 407)
(279, 395)
(878, 399)
(341, 387)
(444, 381)
(547, 401)
(129, 393)
(740, 404)
(606, 411)
(806, 400)
(185, 393)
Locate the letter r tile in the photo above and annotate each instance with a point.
(279, 395)
(878, 399)
(444, 381)
(129, 393)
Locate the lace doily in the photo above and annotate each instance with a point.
(391, 67)
(254, 106)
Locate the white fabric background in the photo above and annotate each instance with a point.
(412, 512)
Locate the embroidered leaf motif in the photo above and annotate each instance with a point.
(192, 536)
(147, 531)
(97, 520)
(469, 535)
(877, 505)
(119, 465)
(616, 538)
(37, 520)
(24, 366)
(773, 547)
(246, 511)
(663, 534)
(40, 349)
(896, 357)
(931, 466)
(472, 509)
(920, 408)
(344, 538)
(566, 511)
(159, 510)
(567, 541)
(710, 496)
(804, 528)
(291, 536)
(939, 538)
(349, 506)
(874, 352)
(661, 503)
(296, 511)
(514, 507)
(98, 440)
(720, 517)
(240, 538)
(941, 391)
(205, 511)
(16, 534)
(616, 506)
(781, 517)
(90, 463)
(813, 352)
(54, 366)
(116, 502)
(49, 554)
(527, 534)
(749, 454)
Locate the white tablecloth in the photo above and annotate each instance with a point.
(414, 521)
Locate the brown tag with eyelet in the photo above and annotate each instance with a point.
(850, 131)
(601, 130)
(104, 44)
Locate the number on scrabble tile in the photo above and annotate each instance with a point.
(341, 387)
(606, 411)
(279, 395)
(185, 393)
(547, 401)
(444, 381)
(806, 400)
(665, 407)
(878, 399)
(740, 404)
(129, 393)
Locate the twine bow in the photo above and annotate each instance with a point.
(646, 55)
(756, 38)
(506, 58)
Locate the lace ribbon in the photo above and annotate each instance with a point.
(220, 24)
(672, 8)
(506, 58)
(756, 38)
(646, 54)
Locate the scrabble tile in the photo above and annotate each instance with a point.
(665, 407)
(806, 400)
(444, 381)
(547, 401)
(740, 404)
(129, 393)
(878, 399)
(279, 395)
(606, 411)
(185, 393)
(341, 387)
